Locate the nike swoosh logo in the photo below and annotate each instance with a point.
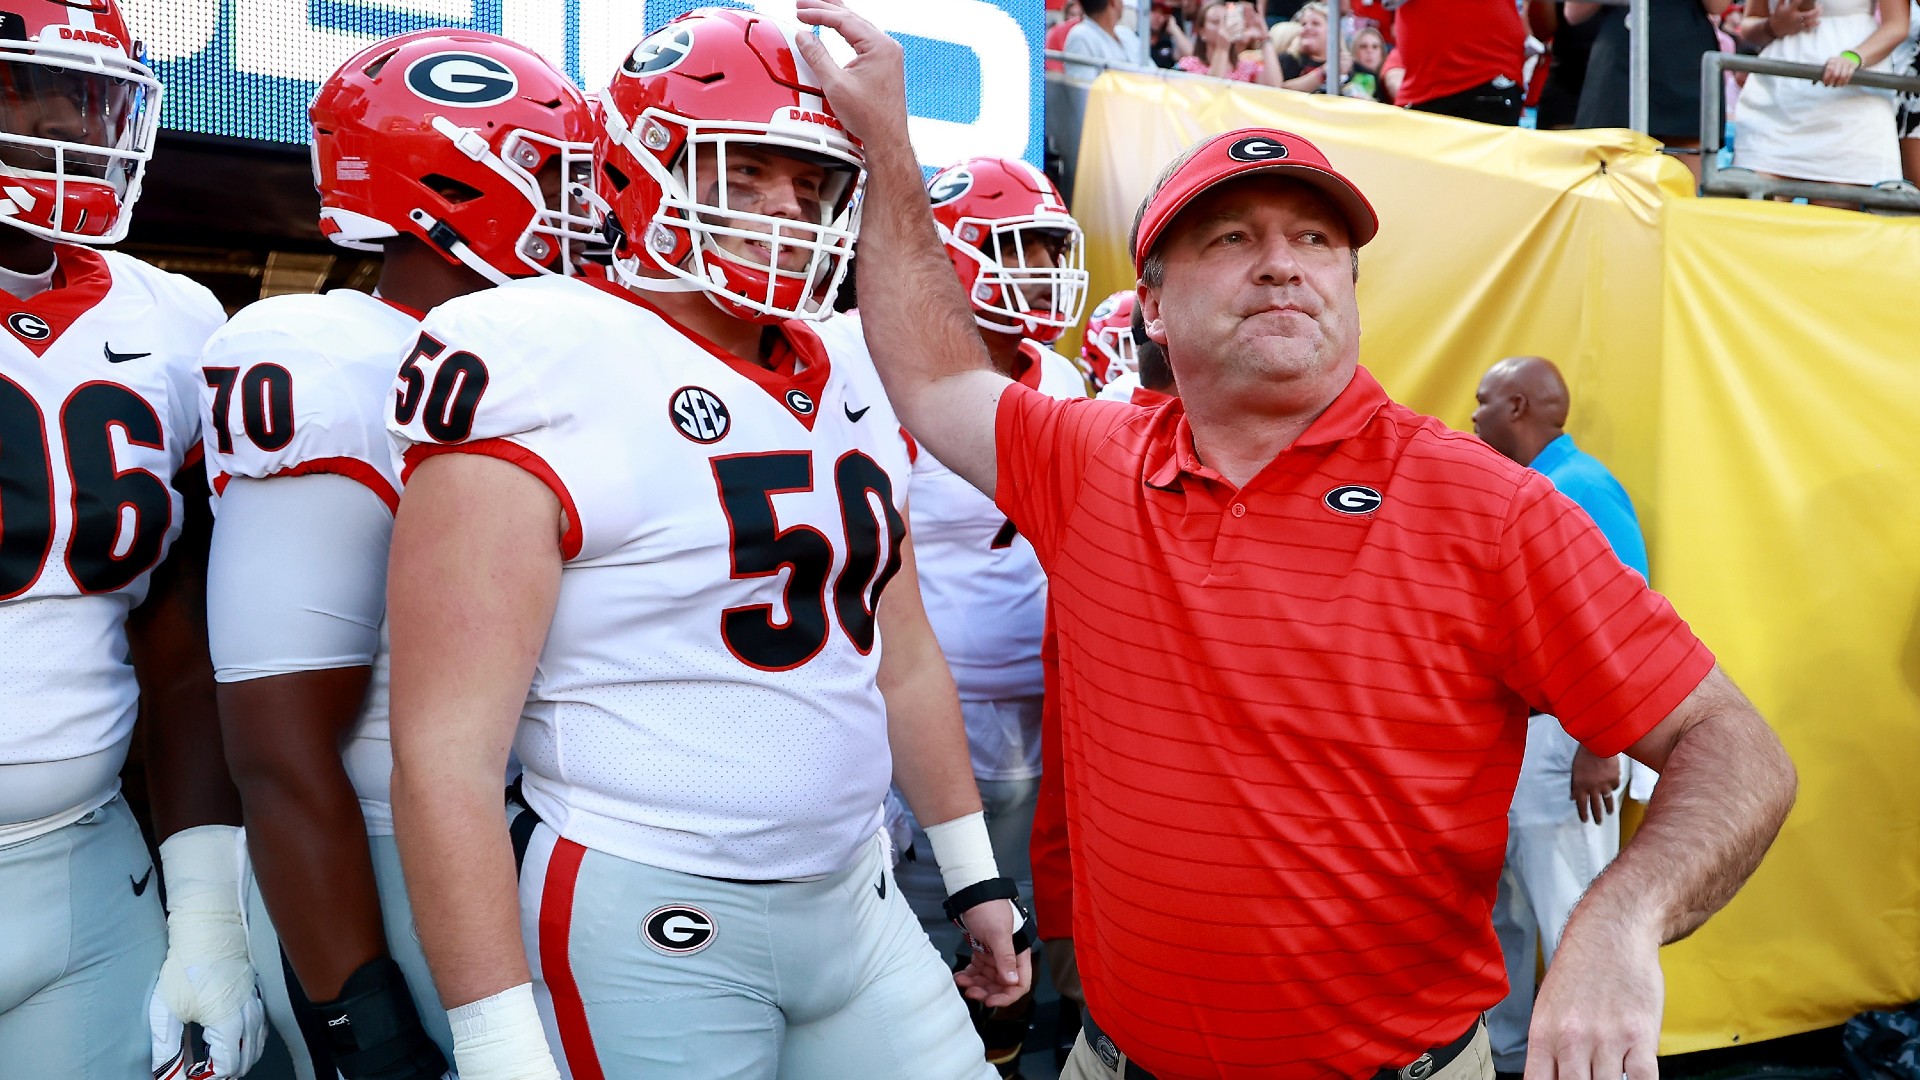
(140, 887)
(122, 357)
(855, 417)
(881, 886)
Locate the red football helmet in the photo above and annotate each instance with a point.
(990, 212)
(443, 135)
(691, 120)
(78, 114)
(1107, 346)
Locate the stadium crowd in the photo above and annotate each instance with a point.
(1564, 65)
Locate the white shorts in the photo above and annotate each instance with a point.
(644, 972)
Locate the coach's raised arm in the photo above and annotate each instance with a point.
(917, 321)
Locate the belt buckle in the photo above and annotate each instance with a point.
(1421, 1068)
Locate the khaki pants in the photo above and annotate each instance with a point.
(1474, 1063)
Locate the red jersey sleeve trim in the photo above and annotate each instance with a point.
(515, 454)
(353, 469)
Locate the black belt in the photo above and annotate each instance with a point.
(1419, 1069)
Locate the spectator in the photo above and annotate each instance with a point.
(1682, 31)
(1375, 13)
(1303, 65)
(1907, 114)
(1369, 53)
(1283, 35)
(1830, 130)
(1558, 840)
(1464, 58)
(1275, 12)
(1568, 47)
(1393, 75)
(1217, 43)
(1057, 33)
(1170, 41)
(1102, 36)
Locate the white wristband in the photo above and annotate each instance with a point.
(963, 851)
(501, 1038)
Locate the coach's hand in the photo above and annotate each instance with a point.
(1598, 1013)
(869, 92)
(997, 975)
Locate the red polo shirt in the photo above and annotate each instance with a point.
(1292, 718)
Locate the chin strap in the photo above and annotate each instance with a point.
(441, 235)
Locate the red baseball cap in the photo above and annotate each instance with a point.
(1248, 150)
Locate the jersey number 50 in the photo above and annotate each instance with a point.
(761, 548)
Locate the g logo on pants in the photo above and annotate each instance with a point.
(678, 929)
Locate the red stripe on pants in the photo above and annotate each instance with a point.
(556, 922)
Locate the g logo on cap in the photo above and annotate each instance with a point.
(1257, 148)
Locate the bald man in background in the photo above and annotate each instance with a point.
(1560, 832)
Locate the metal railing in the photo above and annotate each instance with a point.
(1743, 183)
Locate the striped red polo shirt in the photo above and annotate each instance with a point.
(1292, 717)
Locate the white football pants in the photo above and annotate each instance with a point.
(647, 974)
(83, 939)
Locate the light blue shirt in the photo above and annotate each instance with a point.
(1579, 476)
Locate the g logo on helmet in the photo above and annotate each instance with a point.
(463, 80)
(1257, 148)
(1105, 309)
(661, 52)
(678, 929)
(949, 185)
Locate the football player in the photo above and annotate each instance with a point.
(1106, 346)
(1018, 252)
(102, 579)
(450, 152)
(645, 539)
(1149, 382)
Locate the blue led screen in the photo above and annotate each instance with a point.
(247, 68)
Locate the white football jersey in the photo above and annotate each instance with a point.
(300, 384)
(97, 416)
(985, 593)
(705, 701)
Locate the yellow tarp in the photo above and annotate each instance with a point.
(1751, 372)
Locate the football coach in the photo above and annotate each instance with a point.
(1291, 723)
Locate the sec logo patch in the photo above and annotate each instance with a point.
(1353, 499)
(678, 929)
(699, 414)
